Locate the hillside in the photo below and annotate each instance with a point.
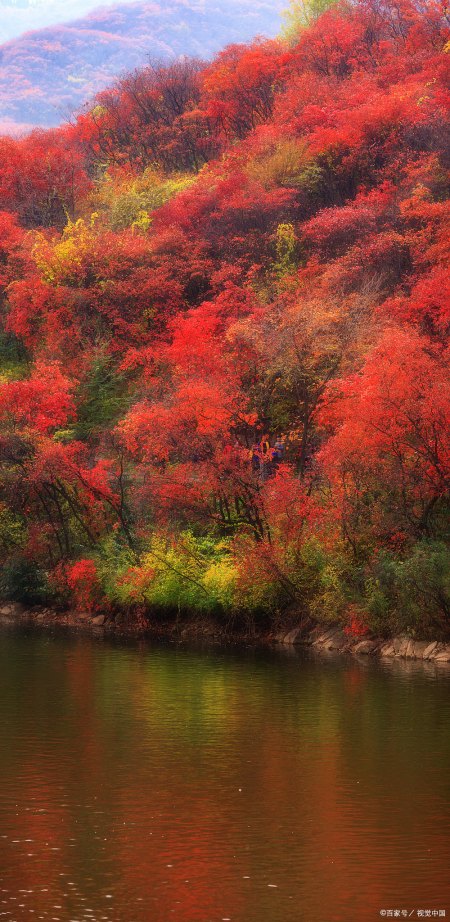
(47, 74)
(225, 320)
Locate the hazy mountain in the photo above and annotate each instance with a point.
(45, 75)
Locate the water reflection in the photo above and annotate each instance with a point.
(141, 785)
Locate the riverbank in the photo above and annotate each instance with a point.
(322, 638)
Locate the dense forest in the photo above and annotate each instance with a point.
(224, 301)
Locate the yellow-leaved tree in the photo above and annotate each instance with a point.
(300, 14)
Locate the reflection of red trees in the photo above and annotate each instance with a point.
(146, 761)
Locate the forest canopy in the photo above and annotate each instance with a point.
(224, 309)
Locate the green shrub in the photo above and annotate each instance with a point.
(411, 594)
(21, 581)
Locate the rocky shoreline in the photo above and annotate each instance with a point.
(334, 639)
(318, 637)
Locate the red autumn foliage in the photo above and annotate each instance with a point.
(42, 401)
(355, 628)
(82, 581)
(42, 176)
(225, 313)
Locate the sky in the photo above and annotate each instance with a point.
(18, 16)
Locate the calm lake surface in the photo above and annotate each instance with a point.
(143, 784)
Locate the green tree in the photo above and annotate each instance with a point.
(300, 14)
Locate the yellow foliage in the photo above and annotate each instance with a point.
(286, 164)
(98, 112)
(60, 261)
(220, 580)
(301, 14)
(129, 200)
(142, 222)
(286, 248)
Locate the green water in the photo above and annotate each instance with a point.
(143, 784)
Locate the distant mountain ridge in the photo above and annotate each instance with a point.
(47, 74)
